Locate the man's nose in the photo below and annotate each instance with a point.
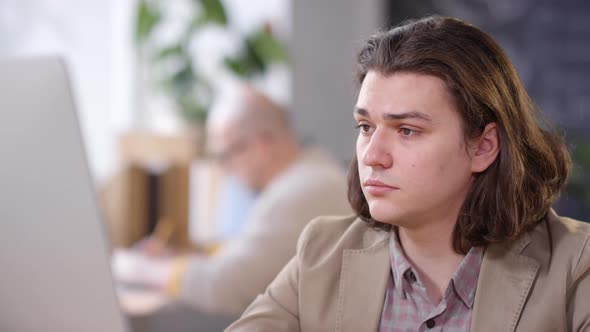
(377, 152)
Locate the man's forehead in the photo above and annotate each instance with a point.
(407, 95)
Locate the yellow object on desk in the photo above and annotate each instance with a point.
(180, 265)
(175, 281)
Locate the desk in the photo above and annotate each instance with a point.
(141, 302)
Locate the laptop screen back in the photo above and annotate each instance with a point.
(54, 265)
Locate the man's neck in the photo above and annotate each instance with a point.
(429, 250)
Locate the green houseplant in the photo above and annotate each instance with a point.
(189, 87)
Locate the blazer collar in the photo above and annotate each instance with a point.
(505, 280)
(363, 281)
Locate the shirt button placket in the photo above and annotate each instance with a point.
(430, 323)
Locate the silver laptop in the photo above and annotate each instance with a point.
(54, 263)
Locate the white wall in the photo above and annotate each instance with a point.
(78, 30)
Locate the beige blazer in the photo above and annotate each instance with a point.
(337, 281)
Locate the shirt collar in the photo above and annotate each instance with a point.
(464, 280)
(399, 263)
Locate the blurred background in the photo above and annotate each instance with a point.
(146, 72)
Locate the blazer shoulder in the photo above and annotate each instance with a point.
(573, 233)
(571, 238)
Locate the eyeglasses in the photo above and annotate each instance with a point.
(231, 151)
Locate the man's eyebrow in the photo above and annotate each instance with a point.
(398, 116)
(407, 115)
(361, 112)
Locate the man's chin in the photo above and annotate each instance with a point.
(395, 218)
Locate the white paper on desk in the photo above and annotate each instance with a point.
(134, 268)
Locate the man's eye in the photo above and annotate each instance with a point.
(407, 131)
(364, 128)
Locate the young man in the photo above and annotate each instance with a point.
(453, 186)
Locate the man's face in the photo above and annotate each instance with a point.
(238, 154)
(413, 164)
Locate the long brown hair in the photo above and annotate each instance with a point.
(519, 187)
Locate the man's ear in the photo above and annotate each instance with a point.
(485, 148)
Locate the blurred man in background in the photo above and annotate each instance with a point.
(251, 137)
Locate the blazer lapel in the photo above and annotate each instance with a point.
(363, 281)
(505, 280)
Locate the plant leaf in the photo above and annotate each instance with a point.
(147, 18)
(176, 50)
(266, 47)
(214, 12)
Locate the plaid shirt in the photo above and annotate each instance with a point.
(407, 306)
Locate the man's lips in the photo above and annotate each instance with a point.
(378, 188)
